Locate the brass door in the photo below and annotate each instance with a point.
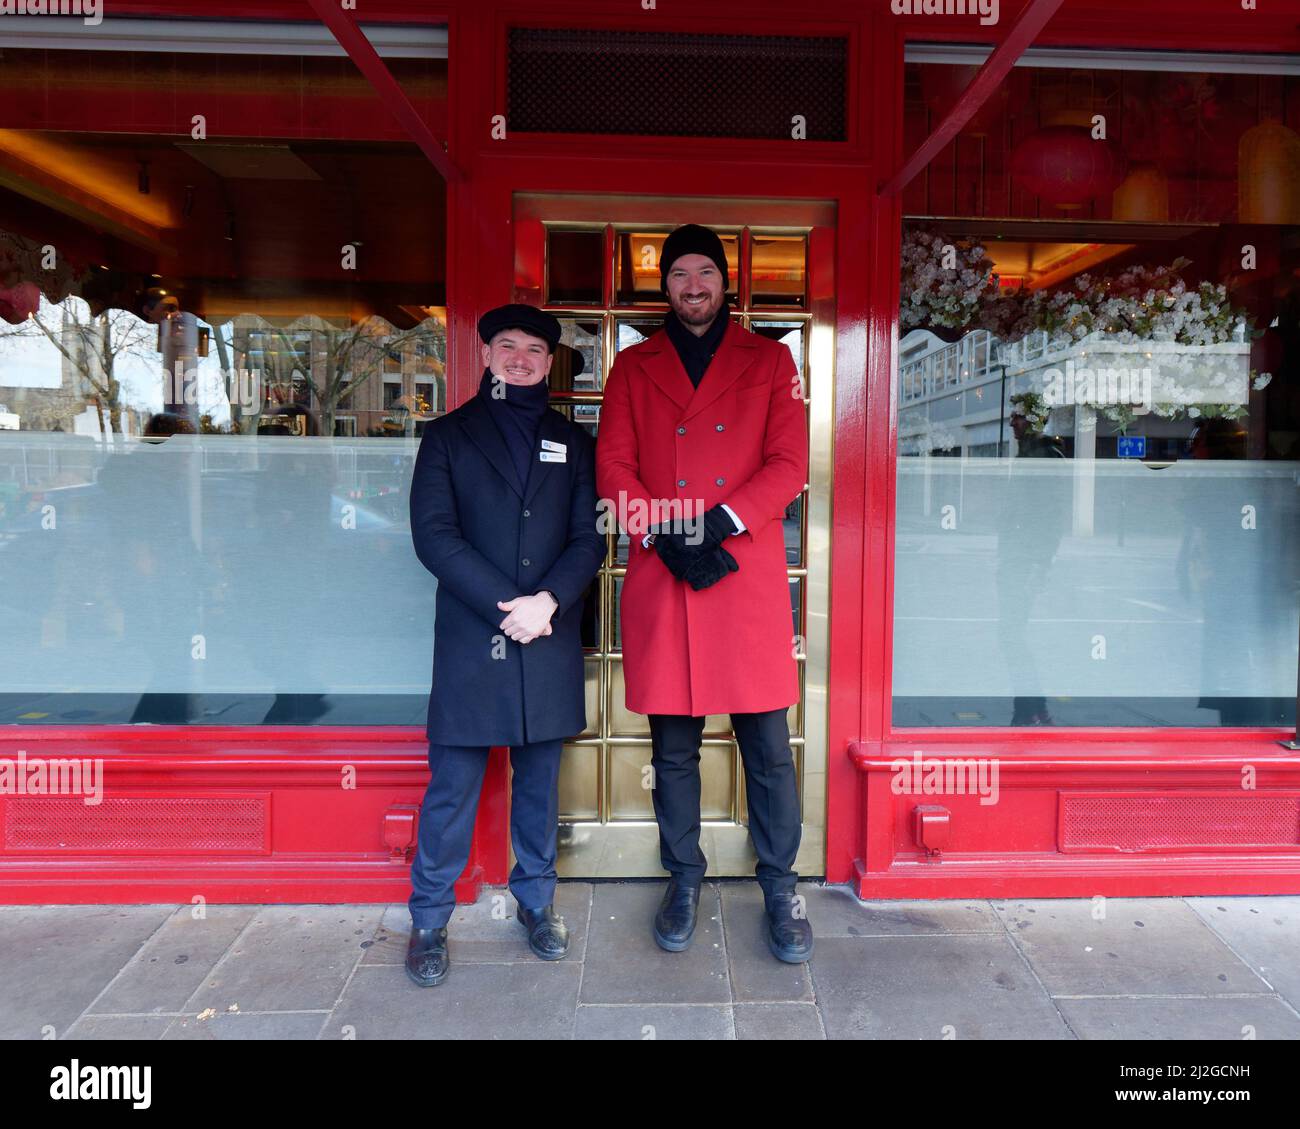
(593, 262)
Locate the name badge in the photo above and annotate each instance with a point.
(552, 456)
(549, 445)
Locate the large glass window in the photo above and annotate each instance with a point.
(1098, 388)
(216, 358)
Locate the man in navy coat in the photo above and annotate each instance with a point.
(503, 513)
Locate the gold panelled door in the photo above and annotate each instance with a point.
(593, 261)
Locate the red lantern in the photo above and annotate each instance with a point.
(1066, 166)
(1267, 172)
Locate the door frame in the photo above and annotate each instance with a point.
(629, 848)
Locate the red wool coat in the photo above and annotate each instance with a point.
(740, 438)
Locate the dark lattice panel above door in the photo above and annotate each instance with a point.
(677, 85)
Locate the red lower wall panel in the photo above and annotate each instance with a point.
(223, 814)
(1109, 813)
(314, 815)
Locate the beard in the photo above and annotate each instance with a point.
(696, 315)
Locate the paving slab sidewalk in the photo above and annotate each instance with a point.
(1150, 968)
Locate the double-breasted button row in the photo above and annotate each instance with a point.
(681, 430)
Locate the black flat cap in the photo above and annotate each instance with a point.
(520, 316)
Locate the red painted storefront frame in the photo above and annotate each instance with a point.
(867, 841)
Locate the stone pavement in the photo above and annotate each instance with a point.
(1153, 968)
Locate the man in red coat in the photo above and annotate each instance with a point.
(703, 444)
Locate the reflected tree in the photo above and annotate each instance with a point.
(331, 363)
(91, 347)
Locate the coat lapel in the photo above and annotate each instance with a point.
(554, 427)
(665, 368)
(486, 437)
(734, 356)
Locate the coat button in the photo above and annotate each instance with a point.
(681, 431)
(527, 513)
(526, 562)
(681, 482)
(719, 481)
(719, 427)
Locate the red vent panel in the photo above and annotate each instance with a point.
(1163, 823)
(676, 85)
(138, 824)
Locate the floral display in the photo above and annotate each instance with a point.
(955, 288)
(943, 284)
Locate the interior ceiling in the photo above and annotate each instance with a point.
(251, 162)
(1039, 265)
(256, 222)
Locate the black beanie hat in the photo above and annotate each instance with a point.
(692, 239)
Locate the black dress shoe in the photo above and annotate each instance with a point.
(675, 922)
(789, 936)
(427, 961)
(548, 936)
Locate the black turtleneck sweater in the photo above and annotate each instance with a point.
(517, 414)
(697, 352)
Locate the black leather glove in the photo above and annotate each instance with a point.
(718, 526)
(709, 567)
(675, 553)
(706, 533)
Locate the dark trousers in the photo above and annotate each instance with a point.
(447, 826)
(774, 825)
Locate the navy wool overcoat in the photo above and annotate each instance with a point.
(486, 539)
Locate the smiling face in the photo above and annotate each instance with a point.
(517, 357)
(695, 291)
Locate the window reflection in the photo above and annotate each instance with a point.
(582, 335)
(206, 439)
(1099, 433)
(575, 267)
(779, 272)
(637, 267)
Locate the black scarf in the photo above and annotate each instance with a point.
(697, 352)
(517, 411)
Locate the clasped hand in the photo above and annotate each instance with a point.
(529, 618)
